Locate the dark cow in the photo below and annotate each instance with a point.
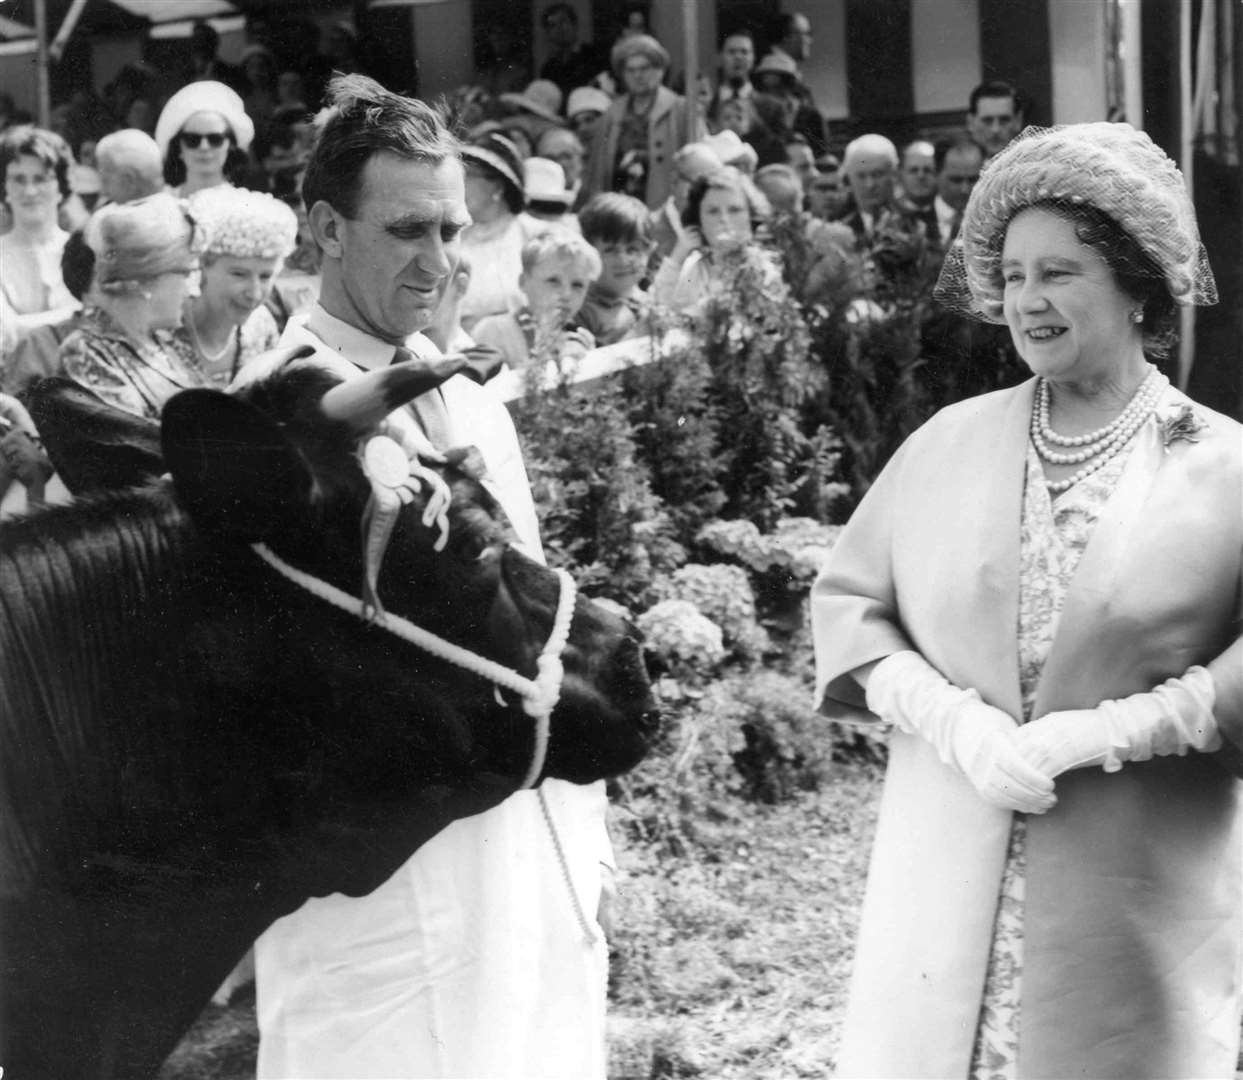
(191, 746)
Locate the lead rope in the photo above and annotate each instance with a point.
(589, 935)
(539, 694)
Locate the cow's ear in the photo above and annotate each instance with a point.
(234, 470)
(93, 446)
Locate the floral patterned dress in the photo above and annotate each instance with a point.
(255, 336)
(135, 376)
(1053, 535)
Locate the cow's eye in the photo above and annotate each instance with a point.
(474, 549)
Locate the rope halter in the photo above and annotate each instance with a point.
(393, 488)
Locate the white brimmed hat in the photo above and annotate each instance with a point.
(206, 96)
(587, 99)
(544, 182)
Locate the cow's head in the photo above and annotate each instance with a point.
(280, 461)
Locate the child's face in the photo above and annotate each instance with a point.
(621, 267)
(556, 288)
(725, 218)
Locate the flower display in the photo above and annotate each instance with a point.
(723, 594)
(797, 546)
(680, 635)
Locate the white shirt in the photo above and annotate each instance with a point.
(468, 961)
(946, 216)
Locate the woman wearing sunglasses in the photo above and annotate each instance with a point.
(203, 133)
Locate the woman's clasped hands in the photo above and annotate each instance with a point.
(968, 734)
(1013, 766)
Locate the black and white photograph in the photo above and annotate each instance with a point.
(621, 540)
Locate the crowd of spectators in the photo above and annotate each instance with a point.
(662, 192)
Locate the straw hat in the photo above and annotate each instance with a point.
(501, 156)
(204, 96)
(541, 97)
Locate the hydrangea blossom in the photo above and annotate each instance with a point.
(724, 595)
(677, 633)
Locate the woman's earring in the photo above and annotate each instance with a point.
(1137, 316)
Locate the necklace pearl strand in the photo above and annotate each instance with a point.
(198, 342)
(1099, 446)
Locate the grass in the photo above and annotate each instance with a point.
(735, 917)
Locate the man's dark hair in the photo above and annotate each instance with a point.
(362, 119)
(942, 148)
(995, 88)
(558, 9)
(77, 264)
(204, 39)
(782, 24)
(738, 31)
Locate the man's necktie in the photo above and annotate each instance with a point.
(955, 225)
(429, 409)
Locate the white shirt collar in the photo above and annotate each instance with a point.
(359, 347)
(725, 92)
(945, 218)
(945, 212)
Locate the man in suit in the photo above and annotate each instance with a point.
(958, 160)
(469, 960)
(918, 181)
(995, 114)
(792, 38)
(570, 63)
(737, 58)
(870, 166)
(962, 356)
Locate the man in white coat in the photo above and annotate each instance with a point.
(481, 956)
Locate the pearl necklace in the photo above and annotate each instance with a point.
(1100, 446)
(207, 357)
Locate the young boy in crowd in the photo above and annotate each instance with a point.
(619, 228)
(557, 269)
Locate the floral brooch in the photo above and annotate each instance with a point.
(1183, 424)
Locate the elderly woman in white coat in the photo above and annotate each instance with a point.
(1041, 595)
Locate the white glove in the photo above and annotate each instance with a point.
(1175, 717)
(967, 734)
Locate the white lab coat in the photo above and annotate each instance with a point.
(470, 960)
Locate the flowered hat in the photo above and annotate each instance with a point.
(245, 224)
(1109, 166)
(206, 96)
